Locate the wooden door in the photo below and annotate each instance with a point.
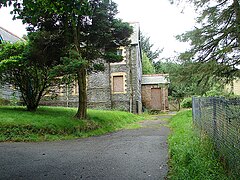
(156, 99)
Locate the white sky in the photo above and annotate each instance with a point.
(158, 19)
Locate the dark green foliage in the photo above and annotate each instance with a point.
(178, 87)
(113, 57)
(188, 78)
(28, 65)
(215, 40)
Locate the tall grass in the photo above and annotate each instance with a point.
(192, 156)
(54, 123)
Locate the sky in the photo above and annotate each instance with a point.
(158, 19)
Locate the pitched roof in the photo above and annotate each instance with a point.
(5, 35)
(155, 79)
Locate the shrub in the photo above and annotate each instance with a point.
(186, 103)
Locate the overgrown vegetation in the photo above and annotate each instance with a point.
(186, 102)
(56, 123)
(192, 156)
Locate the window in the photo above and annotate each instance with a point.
(121, 51)
(75, 88)
(118, 83)
(1, 39)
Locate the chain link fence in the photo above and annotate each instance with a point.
(220, 119)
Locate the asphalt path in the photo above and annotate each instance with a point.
(127, 154)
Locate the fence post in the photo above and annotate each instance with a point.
(214, 118)
(200, 121)
(193, 110)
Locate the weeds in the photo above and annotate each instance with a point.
(191, 156)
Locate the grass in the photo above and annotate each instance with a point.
(192, 156)
(57, 123)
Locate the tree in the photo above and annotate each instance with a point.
(186, 78)
(29, 65)
(146, 47)
(101, 39)
(216, 37)
(147, 65)
(89, 26)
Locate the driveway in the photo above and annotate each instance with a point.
(127, 154)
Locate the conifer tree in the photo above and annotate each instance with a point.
(215, 38)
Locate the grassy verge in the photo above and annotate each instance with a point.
(191, 157)
(57, 123)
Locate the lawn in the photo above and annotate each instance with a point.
(57, 123)
(192, 156)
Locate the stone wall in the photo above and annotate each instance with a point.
(98, 90)
(9, 92)
(233, 87)
(130, 100)
(136, 79)
(99, 86)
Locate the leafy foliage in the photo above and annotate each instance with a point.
(28, 65)
(186, 103)
(147, 65)
(187, 78)
(216, 39)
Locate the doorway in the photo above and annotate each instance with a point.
(156, 99)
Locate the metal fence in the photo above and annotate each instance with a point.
(220, 119)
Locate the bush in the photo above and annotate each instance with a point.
(186, 103)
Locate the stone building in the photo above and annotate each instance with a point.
(117, 87)
(120, 86)
(7, 91)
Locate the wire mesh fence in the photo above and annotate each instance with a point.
(220, 119)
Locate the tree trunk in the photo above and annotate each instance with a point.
(31, 102)
(82, 93)
(32, 107)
